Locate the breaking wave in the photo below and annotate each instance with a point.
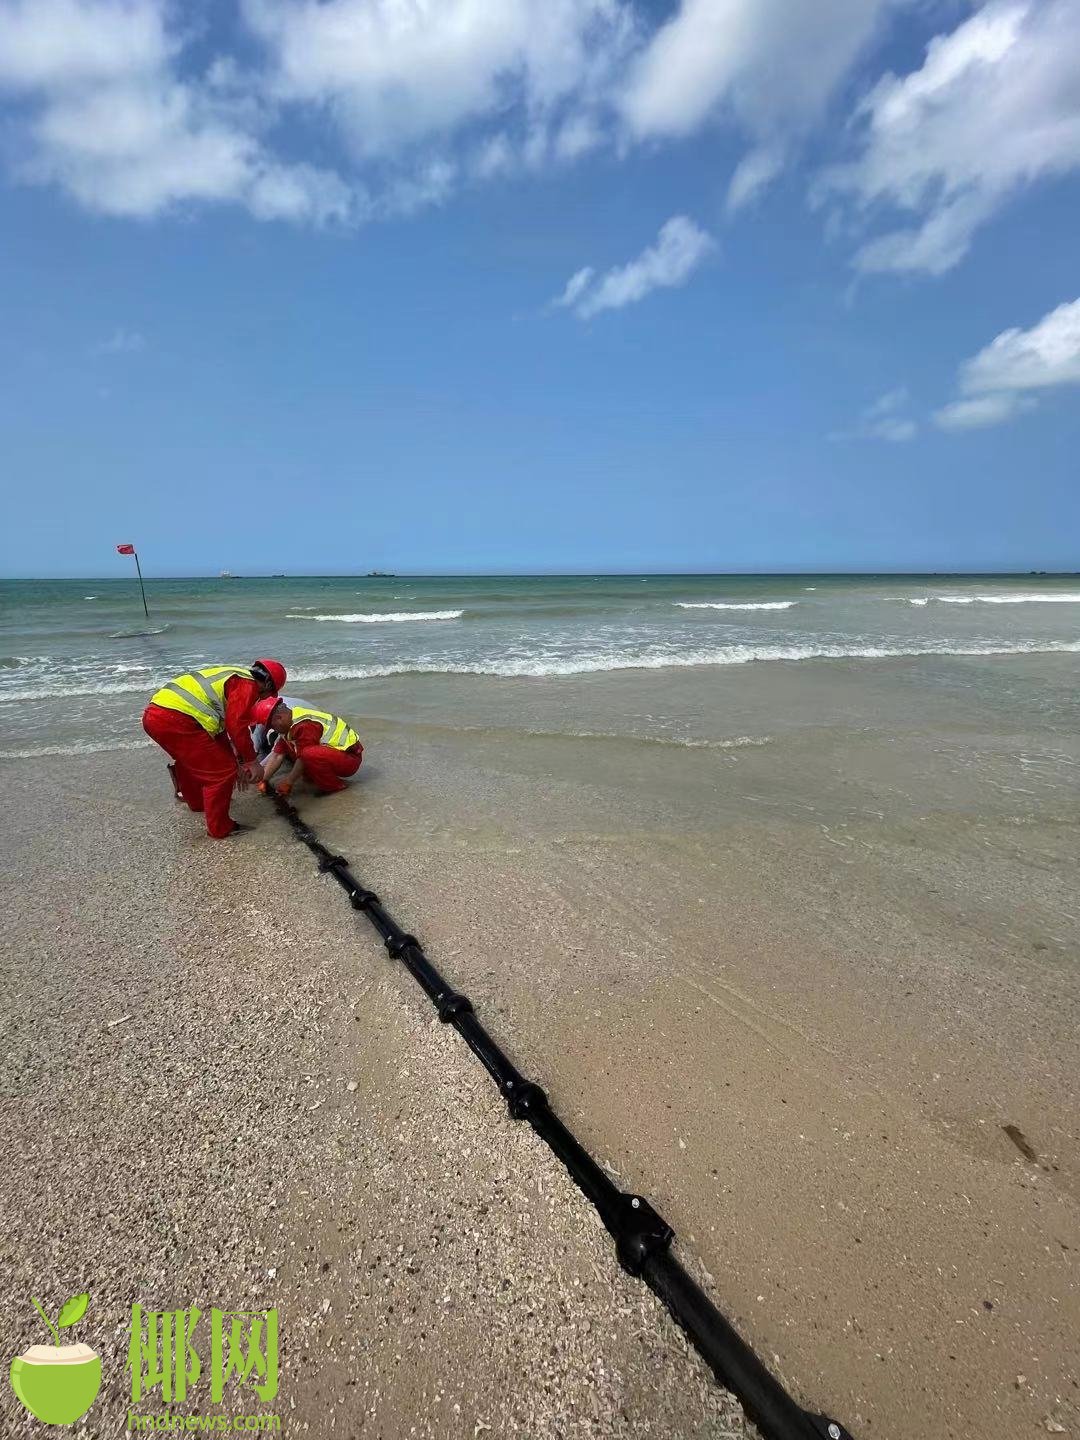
(735, 604)
(77, 747)
(586, 664)
(50, 690)
(1069, 597)
(393, 615)
(134, 681)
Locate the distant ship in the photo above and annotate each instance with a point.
(228, 575)
(380, 575)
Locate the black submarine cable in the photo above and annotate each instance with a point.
(642, 1237)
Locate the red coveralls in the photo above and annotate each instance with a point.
(206, 764)
(324, 765)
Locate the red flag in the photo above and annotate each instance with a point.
(125, 549)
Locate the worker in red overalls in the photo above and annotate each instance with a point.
(202, 721)
(321, 746)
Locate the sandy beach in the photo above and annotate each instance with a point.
(280, 1121)
(635, 446)
(800, 1029)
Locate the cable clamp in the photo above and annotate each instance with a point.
(451, 1004)
(524, 1099)
(361, 899)
(396, 945)
(331, 862)
(639, 1231)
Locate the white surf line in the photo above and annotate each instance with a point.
(393, 616)
(1063, 598)
(735, 604)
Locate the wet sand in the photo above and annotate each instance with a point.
(801, 1028)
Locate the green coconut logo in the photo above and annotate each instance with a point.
(58, 1383)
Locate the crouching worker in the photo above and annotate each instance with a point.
(201, 721)
(262, 737)
(321, 746)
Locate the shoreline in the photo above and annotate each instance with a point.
(772, 694)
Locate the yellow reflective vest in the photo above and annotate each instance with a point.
(336, 733)
(201, 694)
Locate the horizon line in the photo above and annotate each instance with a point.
(558, 575)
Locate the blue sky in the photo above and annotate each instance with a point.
(540, 285)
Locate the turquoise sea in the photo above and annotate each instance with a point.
(78, 658)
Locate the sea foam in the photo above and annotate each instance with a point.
(735, 604)
(395, 616)
(539, 667)
(1069, 597)
(582, 663)
(77, 747)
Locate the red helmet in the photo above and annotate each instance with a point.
(269, 670)
(263, 709)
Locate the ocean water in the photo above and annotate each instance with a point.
(666, 657)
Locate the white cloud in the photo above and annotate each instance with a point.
(994, 107)
(576, 286)
(428, 184)
(122, 105)
(110, 109)
(679, 249)
(59, 43)
(885, 419)
(120, 342)
(897, 430)
(769, 65)
(1048, 354)
(979, 412)
(303, 193)
(754, 173)
(106, 117)
(134, 148)
(397, 75)
(493, 157)
(578, 134)
(1004, 378)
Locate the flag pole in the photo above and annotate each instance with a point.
(129, 549)
(142, 587)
